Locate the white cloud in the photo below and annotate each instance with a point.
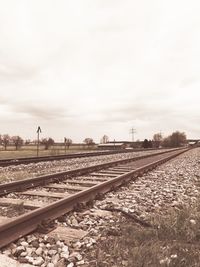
(99, 66)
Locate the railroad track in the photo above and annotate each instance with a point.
(27, 160)
(45, 198)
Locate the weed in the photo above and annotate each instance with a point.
(173, 242)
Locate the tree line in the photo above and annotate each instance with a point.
(6, 140)
(176, 139)
(17, 141)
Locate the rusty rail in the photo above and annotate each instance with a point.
(29, 222)
(27, 160)
(44, 179)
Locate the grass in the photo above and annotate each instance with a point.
(173, 242)
(31, 151)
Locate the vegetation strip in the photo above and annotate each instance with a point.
(131, 216)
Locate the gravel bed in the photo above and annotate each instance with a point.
(172, 184)
(12, 173)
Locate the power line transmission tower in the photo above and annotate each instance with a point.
(132, 132)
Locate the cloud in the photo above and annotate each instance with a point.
(99, 63)
(41, 112)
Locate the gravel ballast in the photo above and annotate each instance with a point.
(170, 185)
(22, 171)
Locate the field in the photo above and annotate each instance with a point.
(31, 151)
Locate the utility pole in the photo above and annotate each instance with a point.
(132, 132)
(38, 139)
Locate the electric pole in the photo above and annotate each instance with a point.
(132, 132)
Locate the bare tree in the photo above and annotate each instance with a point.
(47, 142)
(5, 140)
(166, 142)
(157, 139)
(104, 139)
(27, 141)
(17, 141)
(88, 141)
(176, 139)
(68, 142)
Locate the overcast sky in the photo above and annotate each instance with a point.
(85, 68)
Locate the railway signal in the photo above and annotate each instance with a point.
(38, 139)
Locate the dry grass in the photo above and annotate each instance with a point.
(31, 151)
(174, 242)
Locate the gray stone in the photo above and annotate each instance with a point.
(64, 255)
(61, 263)
(52, 252)
(38, 262)
(55, 259)
(80, 262)
(5, 261)
(39, 251)
(24, 244)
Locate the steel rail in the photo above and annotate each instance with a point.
(29, 222)
(44, 179)
(28, 160)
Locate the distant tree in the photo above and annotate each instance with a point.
(166, 142)
(35, 141)
(89, 142)
(17, 141)
(47, 142)
(27, 141)
(145, 144)
(176, 139)
(150, 144)
(157, 139)
(68, 142)
(104, 139)
(5, 140)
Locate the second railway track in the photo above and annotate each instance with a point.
(48, 197)
(28, 160)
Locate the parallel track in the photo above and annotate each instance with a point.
(72, 188)
(28, 160)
